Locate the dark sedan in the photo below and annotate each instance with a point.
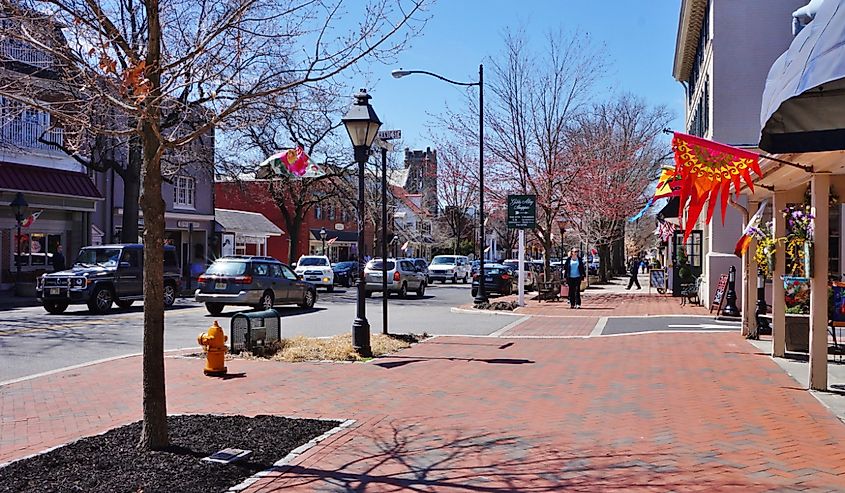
(498, 278)
(345, 273)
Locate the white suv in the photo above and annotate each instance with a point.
(449, 267)
(317, 270)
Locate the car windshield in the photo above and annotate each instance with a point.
(443, 261)
(308, 261)
(106, 257)
(344, 265)
(377, 265)
(226, 268)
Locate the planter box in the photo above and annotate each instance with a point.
(797, 333)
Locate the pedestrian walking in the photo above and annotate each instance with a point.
(644, 266)
(58, 260)
(573, 271)
(633, 270)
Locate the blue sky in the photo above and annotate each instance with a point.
(639, 38)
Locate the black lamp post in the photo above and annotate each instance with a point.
(362, 124)
(481, 297)
(18, 205)
(763, 326)
(323, 237)
(731, 310)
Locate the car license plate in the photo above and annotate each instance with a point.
(313, 278)
(220, 285)
(488, 279)
(55, 290)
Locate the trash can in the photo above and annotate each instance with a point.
(251, 330)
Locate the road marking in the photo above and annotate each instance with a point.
(702, 326)
(597, 330)
(508, 327)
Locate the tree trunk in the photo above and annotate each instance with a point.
(604, 262)
(294, 226)
(131, 193)
(154, 434)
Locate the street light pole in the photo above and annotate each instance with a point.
(481, 297)
(323, 237)
(17, 206)
(362, 124)
(384, 240)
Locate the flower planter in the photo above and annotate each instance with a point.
(797, 333)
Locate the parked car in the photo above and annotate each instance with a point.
(103, 275)
(317, 270)
(446, 267)
(423, 266)
(345, 273)
(402, 276)
(497, 279)
(529, 272)
(260, 282)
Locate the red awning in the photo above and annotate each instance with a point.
(18, 177)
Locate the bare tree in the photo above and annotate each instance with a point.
(619, 152)
(457, 188)
(157, 63)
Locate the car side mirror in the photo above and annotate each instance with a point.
(293, 265)
(124, 265)
(300, 277)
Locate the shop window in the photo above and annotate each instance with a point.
(331, 212)
(36, 249)
(318, 211)
(184, 191)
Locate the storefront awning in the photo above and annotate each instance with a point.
(342, 236)
(47, 181)
(245, 223)
(803, 106)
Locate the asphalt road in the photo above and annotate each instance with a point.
(32, 341)
(629, 325)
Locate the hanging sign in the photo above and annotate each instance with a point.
(522, 211)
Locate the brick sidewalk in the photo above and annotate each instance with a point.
(651, 412)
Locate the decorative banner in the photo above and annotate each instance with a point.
(405, 245)
(706, 170)
(292, 162)
(31, 219)
(642, 212)
(329, 242)
(668, 185)
(665, 230)
(750, 229)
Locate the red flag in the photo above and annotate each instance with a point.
(706, 170)
(31, 219)
(331, 241)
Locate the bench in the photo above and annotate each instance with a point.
(689, 292)
(548, 291)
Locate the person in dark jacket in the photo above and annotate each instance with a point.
(573, 271)
(633, 270)
(58, 260)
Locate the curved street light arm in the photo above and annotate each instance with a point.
(403, 73)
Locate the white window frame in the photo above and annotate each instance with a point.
(185, 193)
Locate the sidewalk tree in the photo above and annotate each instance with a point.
(156, 62)
(457, 189)
(618, 149)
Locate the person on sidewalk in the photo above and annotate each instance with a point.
(573, 271)
(58, 260)
(633, 270)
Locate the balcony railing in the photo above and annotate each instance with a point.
(23, 134)
(13, 50)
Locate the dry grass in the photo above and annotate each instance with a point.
(337, 348)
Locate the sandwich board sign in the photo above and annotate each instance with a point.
(522, 211)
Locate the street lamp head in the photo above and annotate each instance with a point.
(361, 121)
(399, 73)
(17, 205)
(322, 233)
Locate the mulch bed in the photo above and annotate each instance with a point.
(112, 462)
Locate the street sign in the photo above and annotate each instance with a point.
(390, 134)
(187, 224)
(522, 211)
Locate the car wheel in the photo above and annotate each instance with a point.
(508, 290)
(267, 301)
(466, 278)
(124, 304)
(101, 300)
(443, 281)
(368, 294)
(347, 283)
(403, 291)
(169, 295)
(214, 308)
(308, 299)
(454, 279)
(330, 289)
(421, 290)
(54, 307)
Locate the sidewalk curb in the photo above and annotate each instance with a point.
(456, 309)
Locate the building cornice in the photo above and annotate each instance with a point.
(689, 29)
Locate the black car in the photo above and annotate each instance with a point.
(102, 275)
(498, 278)
(346, 273)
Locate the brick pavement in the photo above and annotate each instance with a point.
(650, 412)
(553, 327)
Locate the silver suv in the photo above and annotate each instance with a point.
(402, 276)
(261, 282)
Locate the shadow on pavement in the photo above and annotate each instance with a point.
(418, 359)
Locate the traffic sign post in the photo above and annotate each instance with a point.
(522, 215)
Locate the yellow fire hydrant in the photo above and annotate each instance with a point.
(213, 343)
